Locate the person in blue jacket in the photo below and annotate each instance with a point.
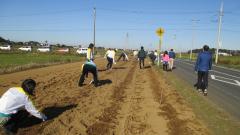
(202, 66)
(172, 56)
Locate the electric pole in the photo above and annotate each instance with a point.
(94, 25)
(219, 32)
(193, 36)
(127, 40)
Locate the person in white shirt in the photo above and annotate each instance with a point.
(14, 100)
(110, 54)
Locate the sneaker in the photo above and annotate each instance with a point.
(200, 91)
(205, 92)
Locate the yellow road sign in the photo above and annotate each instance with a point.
(160, 32)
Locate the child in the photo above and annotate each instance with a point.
(15, 99)
(89, 66)
(165, 60)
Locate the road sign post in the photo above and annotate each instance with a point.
(160, 33)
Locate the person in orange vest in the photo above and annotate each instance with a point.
(14, 100)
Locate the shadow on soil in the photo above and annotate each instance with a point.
(25, 120)
(102, 70)
(103, 82)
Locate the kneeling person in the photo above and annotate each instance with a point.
(89, 66)
(14, 100)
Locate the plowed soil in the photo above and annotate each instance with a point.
(130, 101)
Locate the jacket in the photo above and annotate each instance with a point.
(16, 99)
(141, 54)
(166, 58)
(171, 54)
(204, 61)
(89, 54)
(89, 64)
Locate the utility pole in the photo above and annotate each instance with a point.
(94, 25)
(193, 36)
(219, 32)
(127, 46)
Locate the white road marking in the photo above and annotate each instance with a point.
(214, 71)
(236, 82)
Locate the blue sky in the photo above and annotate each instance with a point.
(71, 22)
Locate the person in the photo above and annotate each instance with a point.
(172, 56)
(90, 52)
(202, 67)
(89, 66)
(110, 55)
(153, 57)
(141, 57)
(165, 59)
(124, 56)
(14, 100)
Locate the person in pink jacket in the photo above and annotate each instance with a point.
(165, 59)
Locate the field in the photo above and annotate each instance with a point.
(226, 61)
(129, 101)
(11, 62)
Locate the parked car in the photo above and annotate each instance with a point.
(63, 50)
(25, 48)
(5, 47)
(82, 51)
(43, 49)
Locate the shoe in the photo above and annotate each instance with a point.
(200, 91)
(205, 92)
(80, 85)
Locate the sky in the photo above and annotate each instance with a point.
(122, 23)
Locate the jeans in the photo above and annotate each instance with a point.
(92, 70)
(110, 62)
(202, 80)
(141, 62)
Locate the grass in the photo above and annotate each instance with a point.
(217, 121)
(11, 62)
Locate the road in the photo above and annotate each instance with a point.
(224, 85)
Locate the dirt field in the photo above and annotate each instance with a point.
(128, 102)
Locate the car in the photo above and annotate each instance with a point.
(63, 50)
(43, 49)
(25, 48)
(82, 51)
(5, 47)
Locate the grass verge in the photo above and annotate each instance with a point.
(218, 121)
(22, 61)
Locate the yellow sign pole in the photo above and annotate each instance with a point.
(160, 33)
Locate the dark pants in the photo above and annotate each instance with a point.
(16, 120)
(110, 62)
(122, 56)
(85, 71)
(202, 80)
(165, 66)
(141, 62)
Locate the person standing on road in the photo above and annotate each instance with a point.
(165, 59)
(89, 66)
(141, 57)
(110, 55)
(14, 100)
(172, 56)
(90, 52)
(202, 67)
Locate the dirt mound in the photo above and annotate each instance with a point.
(130, 101)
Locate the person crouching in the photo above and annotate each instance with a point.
(14, 100)
(89, 66)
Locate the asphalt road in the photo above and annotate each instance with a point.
(223, 89)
